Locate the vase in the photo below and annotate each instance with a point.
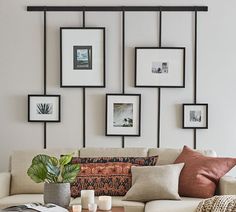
(57, 193)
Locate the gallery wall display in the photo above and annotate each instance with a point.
(82, 56)
(123, 114)
(160, 67)
(195, 116)
(44, 108)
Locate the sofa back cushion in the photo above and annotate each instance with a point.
(168, 155)
(114, 152)
(21, 161)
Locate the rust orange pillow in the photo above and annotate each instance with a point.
(201, 174)
(112, 178)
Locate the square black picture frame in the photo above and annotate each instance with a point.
(43, 107)
(144, 70)
(127, 99)
(195, 117)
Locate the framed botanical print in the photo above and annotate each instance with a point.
(195, 116)
(123, 114)
(160, 67)
(82, 57)
(44, 108)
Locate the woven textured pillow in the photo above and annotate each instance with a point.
(201, 174)
(107, 175)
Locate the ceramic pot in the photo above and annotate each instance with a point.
(57, 193)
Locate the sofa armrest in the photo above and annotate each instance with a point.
(5, 180)
(227, 185)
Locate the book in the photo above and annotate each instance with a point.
(36, 207)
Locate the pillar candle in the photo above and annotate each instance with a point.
(87, 196)
(104, 203)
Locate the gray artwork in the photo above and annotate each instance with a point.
(195, 116)
(44, 108)
(82, 57)
(123, 115)
(160, 67)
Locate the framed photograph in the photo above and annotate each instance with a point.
(195, 116)
(160, 67)
(82, 57)
(123, 114)
(44, 108)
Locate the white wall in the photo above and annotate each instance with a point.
(21, 73)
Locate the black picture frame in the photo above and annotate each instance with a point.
(138, 133)
(30, 119)
(103, 84)
(184, 116)
(160, 86)
(88, 64)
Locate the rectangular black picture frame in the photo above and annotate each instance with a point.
(153, 85)
(86, 73)
(137, 113)
(30, 108)
(184, 125)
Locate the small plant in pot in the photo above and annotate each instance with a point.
(56, 174)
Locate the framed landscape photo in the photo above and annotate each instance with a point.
(160, 67)
(195, 116)
(123, 114)
(44, 108)
(82, 57)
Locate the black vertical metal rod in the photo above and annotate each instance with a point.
(195, 77)
(159, 89)
(123, 63)
(45, 70)
(84, 99)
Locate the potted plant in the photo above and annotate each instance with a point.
(56, 174)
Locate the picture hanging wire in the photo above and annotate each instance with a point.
(123, 62)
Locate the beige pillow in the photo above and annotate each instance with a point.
(154, 182)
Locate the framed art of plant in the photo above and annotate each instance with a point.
(195, 116)
(44, 108)
(123, 114)
(82, 56)
(160, 67)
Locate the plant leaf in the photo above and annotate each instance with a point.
(54, 171)
(40, 159)
(54, 161)
(70, 172)
(37, 172)
(65, 159)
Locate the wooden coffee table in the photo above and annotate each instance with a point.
(114, 209)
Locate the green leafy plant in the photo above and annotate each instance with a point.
(49, 169)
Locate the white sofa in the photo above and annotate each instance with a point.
(17, 188)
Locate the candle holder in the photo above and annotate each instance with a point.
(87, 197)
(105, 203)
(92, 207)
(76, 208)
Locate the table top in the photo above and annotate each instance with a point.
(114, 209)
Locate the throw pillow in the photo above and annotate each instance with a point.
(113, 179)
(95, 174)
(154, 183)
(201, 174)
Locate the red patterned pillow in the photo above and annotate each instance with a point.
(112, 178)
(107, 175)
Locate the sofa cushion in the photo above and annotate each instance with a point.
(201, 174)
(20, 199)
(107, 175)
(184, 205)
(21, 161)
(114, 152)
(154, 182)
(168, 155)
(117, 201)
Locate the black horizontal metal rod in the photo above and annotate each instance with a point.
(118, 8)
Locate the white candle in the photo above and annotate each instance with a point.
(76, 208)
(92, 207)
(104, 203)
(87, 196)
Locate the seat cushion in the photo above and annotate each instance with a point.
(117, 201)
(114, 152)
(184, 205)
(168, 155)
(20, 199)
(21, 161)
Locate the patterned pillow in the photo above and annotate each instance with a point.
(107, 175)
